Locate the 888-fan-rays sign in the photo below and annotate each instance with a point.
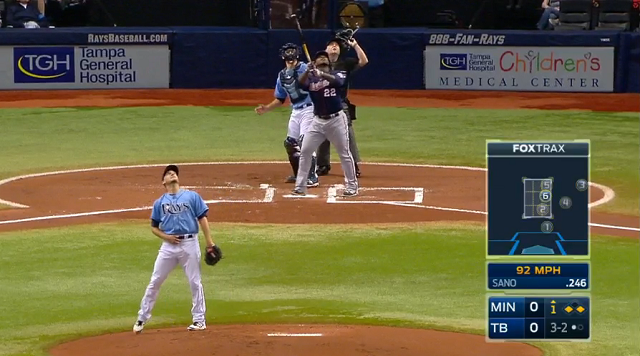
(85, 67)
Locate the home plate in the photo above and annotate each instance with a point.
(286, 334)
(300, 196)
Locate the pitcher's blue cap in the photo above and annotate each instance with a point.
(171, 167)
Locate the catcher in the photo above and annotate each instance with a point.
(174, 219)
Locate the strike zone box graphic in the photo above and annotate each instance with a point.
(538, 199)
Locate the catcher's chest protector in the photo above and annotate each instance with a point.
(289, 81)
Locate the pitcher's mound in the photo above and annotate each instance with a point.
(292, 340)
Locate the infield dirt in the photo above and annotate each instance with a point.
(136, 187)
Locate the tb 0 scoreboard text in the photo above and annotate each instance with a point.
(538, 245)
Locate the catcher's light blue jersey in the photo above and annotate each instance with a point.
(178, 214)
(287, 85)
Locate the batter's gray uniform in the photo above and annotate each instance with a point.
(348, 65)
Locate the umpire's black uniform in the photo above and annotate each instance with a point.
(323, 153)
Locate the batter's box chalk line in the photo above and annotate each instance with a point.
(269, 193)
(332, 195)
(293, 196)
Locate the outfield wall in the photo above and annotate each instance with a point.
(407, 58)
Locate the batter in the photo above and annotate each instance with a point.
(329, 121)
(174, 219)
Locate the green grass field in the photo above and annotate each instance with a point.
(62, 283)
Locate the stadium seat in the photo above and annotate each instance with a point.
(575, 15)
(615, 15)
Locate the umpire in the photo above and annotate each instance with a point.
(337, 47)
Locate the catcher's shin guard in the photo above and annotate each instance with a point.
(293, 151)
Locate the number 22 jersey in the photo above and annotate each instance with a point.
(325, 94)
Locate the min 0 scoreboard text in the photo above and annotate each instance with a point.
(538, 244)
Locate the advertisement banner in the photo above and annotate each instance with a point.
(566, 69)
(84, 67)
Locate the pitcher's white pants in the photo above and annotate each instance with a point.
(186, 254)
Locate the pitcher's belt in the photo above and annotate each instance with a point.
(187, 236)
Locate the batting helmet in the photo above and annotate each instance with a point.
(321, 54)
(289, 51)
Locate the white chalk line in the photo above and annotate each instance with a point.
(226, 187)
(295, 335)
(13, 204)
(75, 215)
(293, 196)
(433, 207)
(345, 201)
(386, 188)
(609, 194)
(614, 227)
(332, 193)
(605, 226)
(113, 211)
(269, 193)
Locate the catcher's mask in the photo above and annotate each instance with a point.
(289, 52)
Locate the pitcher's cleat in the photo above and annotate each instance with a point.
(138, 326)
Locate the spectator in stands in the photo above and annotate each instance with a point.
(376, 13)
(551, 12)
(53, 11)
(25, 14)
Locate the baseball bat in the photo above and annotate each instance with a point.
(304, 43)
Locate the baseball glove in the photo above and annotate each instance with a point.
(345, 35)
(213, 255)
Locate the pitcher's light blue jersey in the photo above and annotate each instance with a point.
(178, 214)
(287, 85)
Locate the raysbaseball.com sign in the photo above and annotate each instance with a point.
(84, 67)
(568, 69)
